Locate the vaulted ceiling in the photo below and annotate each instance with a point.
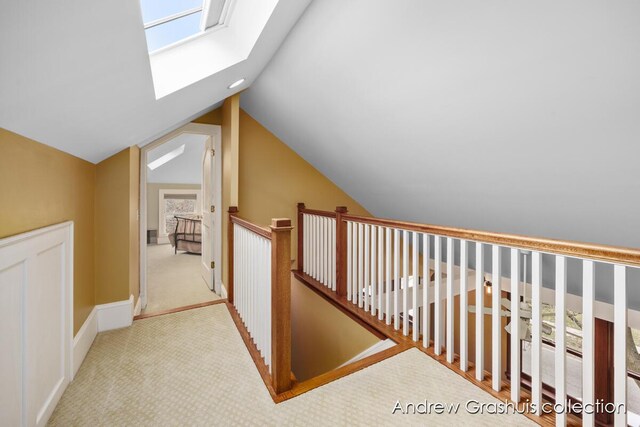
(76, 75)
(186, 168)
(500, 115)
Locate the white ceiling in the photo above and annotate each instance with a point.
(499, 115)
(76, 75)
(184, 169)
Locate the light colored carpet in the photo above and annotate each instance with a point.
(192, 368)
(174, 280)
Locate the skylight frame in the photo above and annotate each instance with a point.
(173, 17)
(205, 28)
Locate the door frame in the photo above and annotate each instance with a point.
(215, 133)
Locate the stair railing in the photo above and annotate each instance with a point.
(408, 276)
(259, 289)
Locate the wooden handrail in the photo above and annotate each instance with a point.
(250, 226)
(614, 254)
(596, 252)
(316, 212)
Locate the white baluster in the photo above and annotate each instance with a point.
(464, 306)
(560, 338)
(317, 248)
(312, 244)
(268, 302)
(374, 236)
(426, 307)
(360, 265)
(354, 262)
(387, 270)
(333, 255)
(515, 330)
(416, 280)
(349, 256)
(366, 268)
(405, 284)
(450, 301)
(322, 252)
(479, 311)
(536, 331)
(305, 240)
(380, 272)
(437, 295)
(396, 279)
(496, 319)
(620, 343)
(588, 340)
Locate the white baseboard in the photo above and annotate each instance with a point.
(376, 348)
(223, 291)
(115, 315)
(138, 308)
(83, 340)
(103, 317)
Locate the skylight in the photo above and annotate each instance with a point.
(166, 158)
(169, 21)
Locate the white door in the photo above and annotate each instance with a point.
(208, 216)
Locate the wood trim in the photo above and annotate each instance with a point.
(604, 253)
(281, 304)
(178, 309)
(327, 377)
(250, 226)
(328, 214)
(341, 252)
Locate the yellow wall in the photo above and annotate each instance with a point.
(324, 337)
(273, 179)
(134, 223)
(41, 186)
(116, 227)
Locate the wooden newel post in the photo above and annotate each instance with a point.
(301, 207)
(341, 252)
(233, 210)
(281, 304)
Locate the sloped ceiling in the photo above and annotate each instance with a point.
(76, 75)
(184, 169)
(508, 116)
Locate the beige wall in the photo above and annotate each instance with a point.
(41, 186)
(116, 227)
(153, 200)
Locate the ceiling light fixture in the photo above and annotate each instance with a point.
(166, 158)
(236, 84)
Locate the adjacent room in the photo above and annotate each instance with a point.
(174, 225)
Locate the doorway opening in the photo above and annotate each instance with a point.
(180, 227)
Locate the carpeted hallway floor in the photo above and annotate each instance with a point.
(192, 368)
(174, 280)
